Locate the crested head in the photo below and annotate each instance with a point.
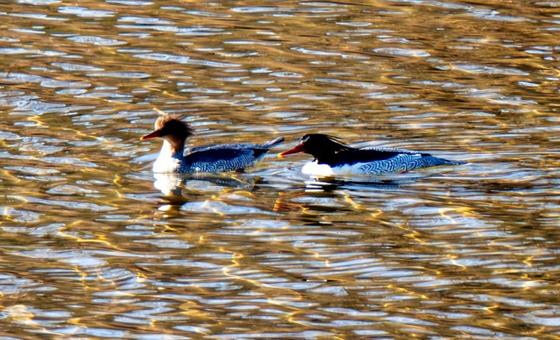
(170, 127)
(173, 125)
(318, 143)
(174, 132)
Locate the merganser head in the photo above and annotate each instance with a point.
(172, 129)
(318, 145)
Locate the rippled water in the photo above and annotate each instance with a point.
(91, 248)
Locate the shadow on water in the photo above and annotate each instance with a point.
(180, 191)
(388, 183)
(178, 185)
(179, 188)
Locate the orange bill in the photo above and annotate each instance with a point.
(295, 149)
(151, 135)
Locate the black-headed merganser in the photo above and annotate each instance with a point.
(333, 157)
(209, 158)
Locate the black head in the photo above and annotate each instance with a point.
(318, 145)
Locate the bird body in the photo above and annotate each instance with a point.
(332, 158)
(209, 158)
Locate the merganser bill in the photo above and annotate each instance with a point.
(208, 158)
(333, 157)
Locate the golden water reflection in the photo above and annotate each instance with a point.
(92, 245)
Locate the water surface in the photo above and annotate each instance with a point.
(91, 248)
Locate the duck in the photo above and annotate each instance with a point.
(332, 157)
(215, 158)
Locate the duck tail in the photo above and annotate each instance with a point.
(273, 142)
(434, 161)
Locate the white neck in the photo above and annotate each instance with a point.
(166, 162)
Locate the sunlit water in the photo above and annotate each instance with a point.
(91, 248)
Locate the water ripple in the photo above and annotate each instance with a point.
(183, 60)
(95, 245)
(401, 52)
(85, 12)
(94, 40)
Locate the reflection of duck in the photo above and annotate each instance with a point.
(332, 157)
(209, 158)
(172, 184)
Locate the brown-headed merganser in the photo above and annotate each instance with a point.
(333, 157)
(209, 158)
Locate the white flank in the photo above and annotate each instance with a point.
(325, 170)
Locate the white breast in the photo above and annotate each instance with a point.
(315, 169)
(165, 161)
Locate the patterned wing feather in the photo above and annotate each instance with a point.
(354, 156)
(402, 163)
(218, 159)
